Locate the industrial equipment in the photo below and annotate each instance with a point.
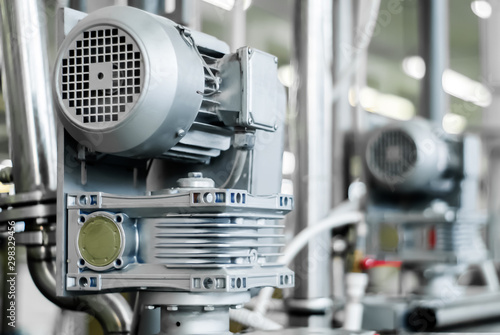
(169, 169)
(423, 209)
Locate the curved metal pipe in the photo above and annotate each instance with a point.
(111, 310)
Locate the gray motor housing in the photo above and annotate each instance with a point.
(127, 83)
(410, 156)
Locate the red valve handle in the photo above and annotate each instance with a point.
(369, 263)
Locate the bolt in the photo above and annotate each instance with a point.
(275, 127)
(149, 307)
(41, 220)
(209, 197)
(250, 51)
(209, 308)
(250, 121)
(195, 175)
(276, 60)
(180, 133)
(172, 308)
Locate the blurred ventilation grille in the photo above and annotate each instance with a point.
(392, 155)
(101, 76)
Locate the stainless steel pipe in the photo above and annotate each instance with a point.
(467, 309)
(311, 140)
(434, 49)
(26, 89)
(111, 310)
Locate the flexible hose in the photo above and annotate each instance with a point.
(253, 319)
(339, 217)
(332, 221)
(329, 223)
(235, 174)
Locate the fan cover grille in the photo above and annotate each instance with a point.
(392, 155)
(101, 76)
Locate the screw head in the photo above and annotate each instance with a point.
(181, 133)
(195, 175)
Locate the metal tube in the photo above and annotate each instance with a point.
(346, 55)
(111, 310)
(26, 90)
(446, 314)
(80, 5)
(434, 49)
(153, 6)
(311, 104)
(490, 53)
(238, 22)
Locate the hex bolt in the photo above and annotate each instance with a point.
(180, 133)
(195, 175)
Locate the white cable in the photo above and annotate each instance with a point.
(253, 319)
(341, 215)
(329, 223)
(263, 299)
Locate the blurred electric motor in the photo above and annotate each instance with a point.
(413, 156)
(423, 203)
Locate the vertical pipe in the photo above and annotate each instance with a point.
(26, 90)
(80, 5)
(191, 14)
(434, 48)
(153, 6)
(490, 53)
(238, 22)
(345, 52)
(312, 129)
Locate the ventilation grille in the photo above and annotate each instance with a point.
(213, 243)
(392, 155)
(101, 77)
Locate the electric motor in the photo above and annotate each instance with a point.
(408, 156)
(423, 196)
(197, 234)
(134, 84)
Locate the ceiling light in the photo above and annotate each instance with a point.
(481, 8)
(414, 66)
(464, 88)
